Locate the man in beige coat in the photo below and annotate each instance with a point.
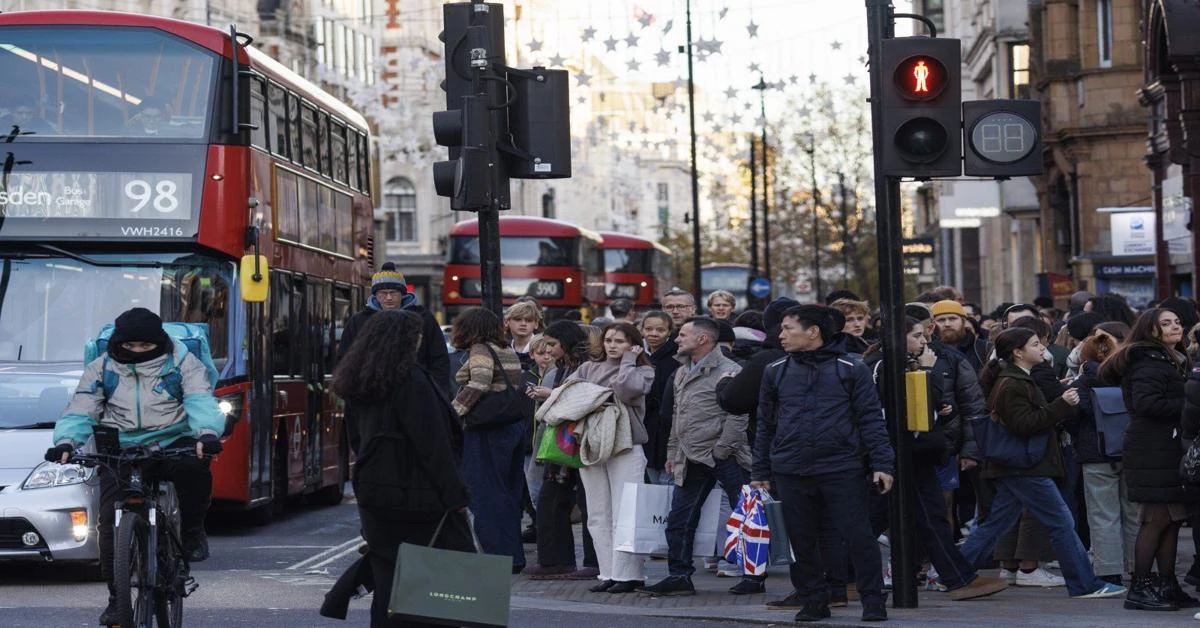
(707, 446)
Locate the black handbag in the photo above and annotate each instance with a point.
(500, 407)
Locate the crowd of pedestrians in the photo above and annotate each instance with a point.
(787, 400)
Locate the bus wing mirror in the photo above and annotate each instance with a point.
(253, 282)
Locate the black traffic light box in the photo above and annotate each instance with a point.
(922, 96)
(1002, 138)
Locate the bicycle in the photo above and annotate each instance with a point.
(147, 590)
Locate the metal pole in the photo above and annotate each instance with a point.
(489, 217)
(816, 233)
(753, 213)
(766, 158)
(695, 169)
(891, 289)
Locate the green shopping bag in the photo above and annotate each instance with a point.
(560, 445)
(449, 587)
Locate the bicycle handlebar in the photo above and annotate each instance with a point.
(132, 455)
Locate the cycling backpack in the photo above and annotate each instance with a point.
(194, 336)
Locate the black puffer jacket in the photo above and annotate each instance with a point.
(658, 417)
(739, 394)
(1153, 388)
(1190, 422)
(813, 422)
(406, 446)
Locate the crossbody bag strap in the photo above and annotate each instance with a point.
(500, 365)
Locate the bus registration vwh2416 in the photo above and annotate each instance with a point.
(164, 164)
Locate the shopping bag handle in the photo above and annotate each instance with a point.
(470, 524)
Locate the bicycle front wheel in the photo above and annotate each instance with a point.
(135, 591)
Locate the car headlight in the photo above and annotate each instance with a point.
(50, 474)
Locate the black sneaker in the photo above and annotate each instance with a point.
(670, 586)
(1193, 574)
(110, 617)
(626, 586)
(748, 586)
(813, 611)
(874, 611)
(195, 545)
(792, 601)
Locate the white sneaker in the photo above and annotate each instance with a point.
(1054, 565)
(1039, 578)
(729, 570)
(1007, 576)
(711, 562)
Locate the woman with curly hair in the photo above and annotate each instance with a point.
(493, 456)
(406, 441)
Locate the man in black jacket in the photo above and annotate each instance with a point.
(390, 292)
(818, 413)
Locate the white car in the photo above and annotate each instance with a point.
(47, 510)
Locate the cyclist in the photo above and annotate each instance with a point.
(145, 412)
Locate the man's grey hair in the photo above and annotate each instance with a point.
(677, 292)
(706, 326)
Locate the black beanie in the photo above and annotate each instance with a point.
(773, 314)
(1081, 325)
(138, 325)
(725, 332)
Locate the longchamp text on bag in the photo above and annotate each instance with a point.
(1108, 406)
(450, 587)
(499, 408)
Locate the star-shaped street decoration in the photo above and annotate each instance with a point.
(836, 45)
(667, 26)
(812, 78)
(631, 41)
(589, 34)
(735, 118)
(747, 105)
(535, 45)
(760, 121)
(708, 116)
(754, 68)
(633, 65)
(731, 93)
(862, 59)
(646, 20)
(611, 43)
(583, 78)
(722, 12)
(557, 60)
(582, 100)
(752, 28)
(715, 46)
(663, 57)
(849, 78)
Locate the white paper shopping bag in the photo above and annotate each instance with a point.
(641, 526)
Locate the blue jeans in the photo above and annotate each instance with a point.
(686, 502)
(493, 468)
(1041, 497)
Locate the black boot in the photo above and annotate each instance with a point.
(1193, 574)
(110, 616)
(1170, 591)
(1144, 596)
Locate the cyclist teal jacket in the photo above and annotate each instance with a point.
(155, 402)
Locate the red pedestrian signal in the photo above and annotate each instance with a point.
(920, 78)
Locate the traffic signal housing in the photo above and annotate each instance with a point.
(922, 96)
(1003, 138)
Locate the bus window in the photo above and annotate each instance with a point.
(258, 114)
(320, 325)
(308, 135)
(101, 81)
(202, 296)
(337, 149)
(341, 313)
(364, 164)
(277, 112)
(287, 221)
(327, 213)
(281, 323)
(310, 226)
(345, 223)
(352, 159)
(293, 119)
(323, 144)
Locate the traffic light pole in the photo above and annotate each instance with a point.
(891, 287)
(489, 217)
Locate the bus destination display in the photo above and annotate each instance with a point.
(120, 196)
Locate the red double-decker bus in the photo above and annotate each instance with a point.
(635, 268)
(143, 158)
(553, 261)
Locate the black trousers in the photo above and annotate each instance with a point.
(193, 488)
(843, 498)
(555, 536)
(385, 529)
(933, 530)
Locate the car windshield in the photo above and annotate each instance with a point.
(29, 399)
(51, 306)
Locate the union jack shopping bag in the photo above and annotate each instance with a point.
(748, 540)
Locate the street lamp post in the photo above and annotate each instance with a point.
(695, 169)
(816, 201)
(762, 104)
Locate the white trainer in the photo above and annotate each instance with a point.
(1007, 576)
(1039, 578)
